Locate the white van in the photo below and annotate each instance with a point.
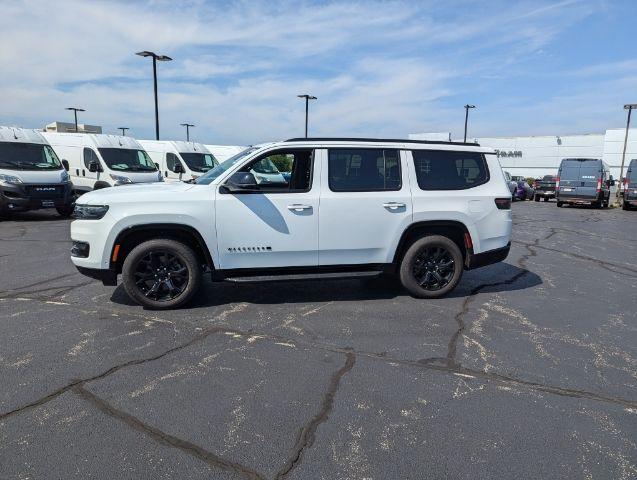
(224, 152)
(98, 161)
(31, 174)
(179, 160)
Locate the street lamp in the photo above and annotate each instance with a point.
(630, 107)
(123, 129)
(466, 119)
(156, 58)
(75, 110)
(307, 101)
(187, 125)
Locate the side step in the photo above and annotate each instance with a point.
(305, 276)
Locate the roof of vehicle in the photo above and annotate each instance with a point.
(21, 135)
(176, 145)
(401, 143)
(99, 140)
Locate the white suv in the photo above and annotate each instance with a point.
(424, 210)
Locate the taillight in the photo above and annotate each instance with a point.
(467, 240)
(503, 203)
(599, 184)
(557, 183)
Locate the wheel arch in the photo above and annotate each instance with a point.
(132, 236)
(453, 229)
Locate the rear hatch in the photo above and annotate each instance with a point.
(579, 179)
(545, 186)
(630, 190)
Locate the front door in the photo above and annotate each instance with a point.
(366, 200)
(277, 225)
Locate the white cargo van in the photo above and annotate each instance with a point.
(224, 152)
(179, 160)
(98, 161)
(31, 174)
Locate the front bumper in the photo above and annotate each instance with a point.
(477, 260)
(23, 197)
(107, 277)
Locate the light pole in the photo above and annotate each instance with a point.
(630, 107)
(187, 125)
(75, 110)
(123, 129)
(307, 101)
(466, 119)
(156, 58)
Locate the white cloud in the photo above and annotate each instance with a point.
(378, 68)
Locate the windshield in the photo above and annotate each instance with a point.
(125, 159)
(28, 156)
(214, 173)
(199, 162)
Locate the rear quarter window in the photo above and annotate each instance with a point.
(448, 170)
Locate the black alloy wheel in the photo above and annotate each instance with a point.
(433, 268)
(161, 276)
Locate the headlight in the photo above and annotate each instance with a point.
(121, 179)
(10, 179)
(160, 178)
(89, 212)
(65, 178)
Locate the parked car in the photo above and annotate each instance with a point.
(544, 188)
(423, 210)
(513, 185)
(523, 191)
(98, 161)
(179, 161)
(31, 174)
(583, 181)
(630, 187)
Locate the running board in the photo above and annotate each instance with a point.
(304, 276)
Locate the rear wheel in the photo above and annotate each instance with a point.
(536, 198)
(546, 199)
(431, 267)
(560, 204)
(161, 274)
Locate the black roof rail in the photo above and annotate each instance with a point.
(379, 140)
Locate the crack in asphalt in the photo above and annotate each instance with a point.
(605, 265)
(165, 438)
(307, 433)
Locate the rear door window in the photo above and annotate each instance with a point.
(364, 170)
(448, 170)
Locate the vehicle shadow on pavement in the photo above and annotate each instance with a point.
(36, 216)
(495, 278)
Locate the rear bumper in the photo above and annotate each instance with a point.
(477, 260)
(107, 277)
(545, 194)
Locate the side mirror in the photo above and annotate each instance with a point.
(178, 168)
(94, 166)
(65, 164)
(241, 182)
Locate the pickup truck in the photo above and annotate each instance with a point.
(545, 188)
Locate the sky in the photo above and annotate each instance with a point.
(379, 69)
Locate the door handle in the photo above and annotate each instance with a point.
(297, 207)
(394, 205)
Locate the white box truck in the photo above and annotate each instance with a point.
(180, 161)
(31, 174)
(98, 161)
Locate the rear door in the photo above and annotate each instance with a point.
(365, 201)
(579, 179)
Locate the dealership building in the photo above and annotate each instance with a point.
(541, 155)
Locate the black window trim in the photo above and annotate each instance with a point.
(371, 147)
(276, 151)
(94, 153)
(468, 187)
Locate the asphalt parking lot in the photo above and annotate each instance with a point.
(529, 370)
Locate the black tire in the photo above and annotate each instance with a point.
(426, 261)
(161, 274)
(546, 199)
(536, 198)
(65, 211)
(560, 204)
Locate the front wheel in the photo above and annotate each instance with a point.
(161, 274)
(431, 267)
(560, 204)
(536, 198)
(65, 211)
